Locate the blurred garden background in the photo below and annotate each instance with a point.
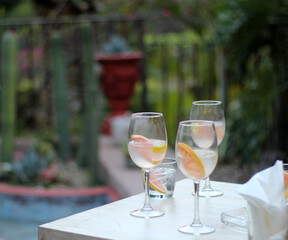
(53, 103)
(51, 95)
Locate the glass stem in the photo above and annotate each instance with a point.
(207, 184)
(196, 219)
(147, 198)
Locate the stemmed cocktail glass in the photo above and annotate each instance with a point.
(213, 111)
(197, 154)
(147, 146)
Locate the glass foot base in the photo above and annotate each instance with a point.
(147, 213)
(196, 229)
(209, 192)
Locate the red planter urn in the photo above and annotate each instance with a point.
(119, 74)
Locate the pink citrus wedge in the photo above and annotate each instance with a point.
(191, 162)
(286, 184)
(152, 150)
(155, 181)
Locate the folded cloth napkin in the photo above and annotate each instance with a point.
(265, 197)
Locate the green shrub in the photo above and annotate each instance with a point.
(251, 115)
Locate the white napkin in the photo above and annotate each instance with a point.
(265, 196)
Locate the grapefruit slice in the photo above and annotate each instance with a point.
(285, 180)
(220, 133)
(152, 150)
(286, 184)
(155, 181)
(139, 139)
(191, 162)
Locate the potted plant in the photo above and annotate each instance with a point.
(120, 71)
(35, 187)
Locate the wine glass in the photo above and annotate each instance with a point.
(147, 146)
(213, 111)
(197, 154)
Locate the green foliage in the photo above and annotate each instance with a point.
(163, 83)
(178, 50)
(9, 76)
(28, 168)
(44, 148)
(27, 104)
(247, 29)
(116, 44)
(88, 155)
(194, 14)
(7, 5)
(169, 107)
(19, 8)
(244, 28)
(171, 113)
(184, 39)
(60, 94)
(251, 114)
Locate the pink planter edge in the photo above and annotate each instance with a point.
(58, 192)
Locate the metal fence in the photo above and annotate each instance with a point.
(34, 65)
(177, 67)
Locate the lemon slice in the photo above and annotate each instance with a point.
(191, 162)
(159, 148)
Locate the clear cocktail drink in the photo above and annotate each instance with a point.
(147, 153)
(208, 163)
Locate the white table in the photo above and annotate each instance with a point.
(113, 221)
